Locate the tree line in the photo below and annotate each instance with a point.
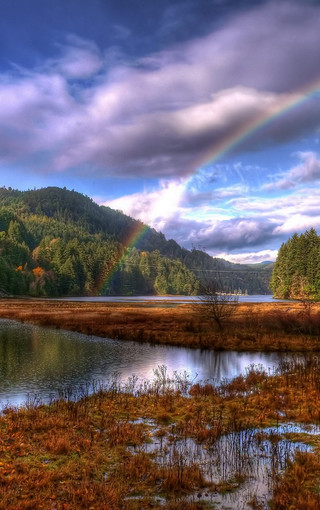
(296, 272)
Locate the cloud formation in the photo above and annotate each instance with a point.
(229, 220)
(307, 172)
(164, 116)
(189, 126)
(255, 257)
(207, 226)
(154, 208)
(80, 59)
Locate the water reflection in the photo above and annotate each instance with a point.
(248, 460)
(46, 361)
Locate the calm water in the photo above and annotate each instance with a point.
(35, 360)
(259, 298)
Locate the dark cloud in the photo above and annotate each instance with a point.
(227, 235)
(241, 233)
(169, 112)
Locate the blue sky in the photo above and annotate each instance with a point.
(200, 117)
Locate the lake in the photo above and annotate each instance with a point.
(258, 298)
(45, 362)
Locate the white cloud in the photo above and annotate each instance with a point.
(307, 171)
(298, 223)
(305, 201)
(206, 225)
(209, 219)
(249, 257)
(154, 208)
(80, 58)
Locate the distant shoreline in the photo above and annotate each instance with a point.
(248, 298)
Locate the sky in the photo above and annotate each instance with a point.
(199, 117)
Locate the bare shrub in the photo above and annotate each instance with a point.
(215, 304)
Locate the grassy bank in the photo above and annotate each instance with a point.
(253, 326)
(168, 444)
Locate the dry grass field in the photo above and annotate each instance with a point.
(253, 326)
(168, 445)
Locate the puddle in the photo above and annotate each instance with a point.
(238, 468)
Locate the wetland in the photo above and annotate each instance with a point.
(96, 422)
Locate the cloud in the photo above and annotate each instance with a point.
(36, 113)
(231, 219)
(304, 200)
(308, 171)
(165, 210)
(219, 223)
(153, 208)
(170, 111)
(238, 232)
(250, 257)
(298, 223)
(195, 198)
(80, 58)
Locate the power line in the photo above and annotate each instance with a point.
(256, 271)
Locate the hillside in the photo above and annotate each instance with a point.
(57, 242)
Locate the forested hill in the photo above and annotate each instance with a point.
(56, 242)
(296, 271)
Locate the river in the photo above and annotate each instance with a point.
(47, 362)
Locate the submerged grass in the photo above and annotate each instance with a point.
(167, 444)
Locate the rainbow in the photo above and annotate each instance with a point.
(137, 232)
(279, 107)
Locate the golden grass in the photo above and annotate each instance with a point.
(254, 327)
(297, 489)
(93, 454)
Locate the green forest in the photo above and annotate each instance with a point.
(56, 242)
(296, 272)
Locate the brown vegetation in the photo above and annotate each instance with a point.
(111, 451)
(297, 488)
(252, 327)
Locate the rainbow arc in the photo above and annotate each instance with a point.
(278, 108)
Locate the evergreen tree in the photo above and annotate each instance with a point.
(296, 273)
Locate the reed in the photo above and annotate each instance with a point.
(167, 444)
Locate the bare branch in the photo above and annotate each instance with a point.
(215, 304)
